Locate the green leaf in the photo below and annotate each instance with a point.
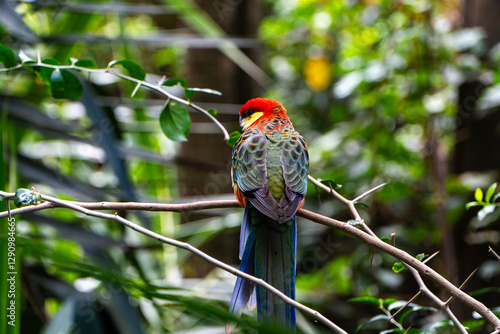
(472, 325)
(362, 204)
(87, 63)
(367, 300)
(175, 121)
(399, 267)
(478, 195)
(212, 111)
(233, 138)
(51, 61)
(471, 204)
(189, 92)
(65, 85)
(421, 256)
(490, 192)
(485, 291)
(330, 183)
(134, 70)
(175, 81)
(7, 57)
(387, 240)
(485, 211)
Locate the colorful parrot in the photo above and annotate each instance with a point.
(269, 174)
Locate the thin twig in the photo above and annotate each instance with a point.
(351, 204)
(158, 88)
(408, 329)
(388, 313)
(407, 303)
(368, 192)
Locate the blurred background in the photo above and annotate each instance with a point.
(398, 91)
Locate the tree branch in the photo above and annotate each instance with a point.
(423, 288)
(183, 245)
(401, 255)
(156, 87)
(419, 267)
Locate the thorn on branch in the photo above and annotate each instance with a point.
(408, 329)
(136, 89)
(430, 257)
(462, 285)
(405, 305)
(493, 252)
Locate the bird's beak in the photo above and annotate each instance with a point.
(246, 122)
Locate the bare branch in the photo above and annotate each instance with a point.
(350, 204)
(410, 261)
(462, 285)
(442, 305)
(129, 206)
(315, 314)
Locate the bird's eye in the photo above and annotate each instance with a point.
(250, 112)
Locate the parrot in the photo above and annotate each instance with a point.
(269, 173)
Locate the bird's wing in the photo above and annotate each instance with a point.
(249, 172)
(295, 164)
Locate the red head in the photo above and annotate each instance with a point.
(259, 109)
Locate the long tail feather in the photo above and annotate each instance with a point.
(246, 227)
(244, 291)
(275, 249)
(267, 251)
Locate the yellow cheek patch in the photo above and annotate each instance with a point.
(250, 120)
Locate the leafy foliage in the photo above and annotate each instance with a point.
(7, 57)
(174, 120)
(488, 203)
(233, 138)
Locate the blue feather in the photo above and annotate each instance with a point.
(268, 251)
(244, 291)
